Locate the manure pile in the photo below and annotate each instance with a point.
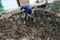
(46, 27)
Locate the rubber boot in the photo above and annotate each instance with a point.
(33, 20)
(24, 22)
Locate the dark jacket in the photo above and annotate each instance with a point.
(27, 9)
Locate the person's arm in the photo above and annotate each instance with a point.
(22, 8)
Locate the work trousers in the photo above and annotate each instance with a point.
(27, 17)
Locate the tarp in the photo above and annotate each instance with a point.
(41, 2)
(9, 4)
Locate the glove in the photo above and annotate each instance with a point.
(23, 10)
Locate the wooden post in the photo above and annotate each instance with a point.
(18, 2)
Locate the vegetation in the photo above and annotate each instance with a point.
(56, 6)
(1, 7)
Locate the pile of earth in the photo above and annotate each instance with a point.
(45, 27)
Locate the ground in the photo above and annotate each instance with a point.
(46, 27)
